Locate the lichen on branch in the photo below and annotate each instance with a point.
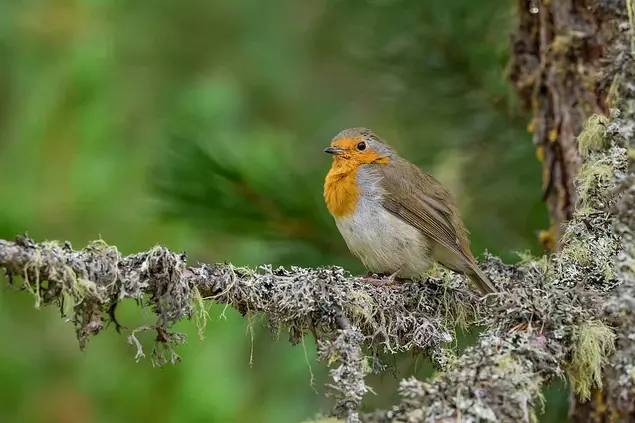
(345, 313)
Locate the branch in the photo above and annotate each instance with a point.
(340, 310)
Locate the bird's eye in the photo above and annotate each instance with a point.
(361, 146)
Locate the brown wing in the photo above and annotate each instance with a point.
(420, 200)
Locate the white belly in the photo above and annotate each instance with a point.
(383, 242)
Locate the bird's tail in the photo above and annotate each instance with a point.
(479, 279)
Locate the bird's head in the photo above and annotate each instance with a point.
(361, 146)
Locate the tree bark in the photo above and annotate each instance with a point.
(567, 57)
(558, 52)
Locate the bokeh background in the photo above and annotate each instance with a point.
(200, 125)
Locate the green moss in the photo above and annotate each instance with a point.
(592, 173)
(51, 245)
(457, 313)
(512, 369)
(230, 286)
(70, 290)
(201, 312)
(439, 272)
(594, 343)
(525, 256)
(506, 362)
(33, 286)
(540, 400)
(631, 264)
(361, 307)
(541, 263)
(98, 245)
(577, 249)
(306, 359)
(592, 136)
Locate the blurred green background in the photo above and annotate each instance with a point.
(200, 125)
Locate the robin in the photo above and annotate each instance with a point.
(394, 217)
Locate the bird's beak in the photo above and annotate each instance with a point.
(334, 150)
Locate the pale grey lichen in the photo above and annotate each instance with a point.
(348, 385)
(345, 313)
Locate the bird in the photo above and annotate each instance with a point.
(395, 218)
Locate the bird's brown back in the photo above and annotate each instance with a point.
(422, 201)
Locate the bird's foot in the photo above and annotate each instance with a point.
(377, 282)
(392, 278)
(374, 279)
(382, 280)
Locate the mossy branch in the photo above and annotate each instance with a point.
(342, 311)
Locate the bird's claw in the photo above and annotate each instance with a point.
(378, 282)
(381, 280)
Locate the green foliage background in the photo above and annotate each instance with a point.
(200, 125)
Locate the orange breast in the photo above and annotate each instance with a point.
(341, 193)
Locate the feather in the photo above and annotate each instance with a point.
(420, 200)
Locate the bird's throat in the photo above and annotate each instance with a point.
(340, 188)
